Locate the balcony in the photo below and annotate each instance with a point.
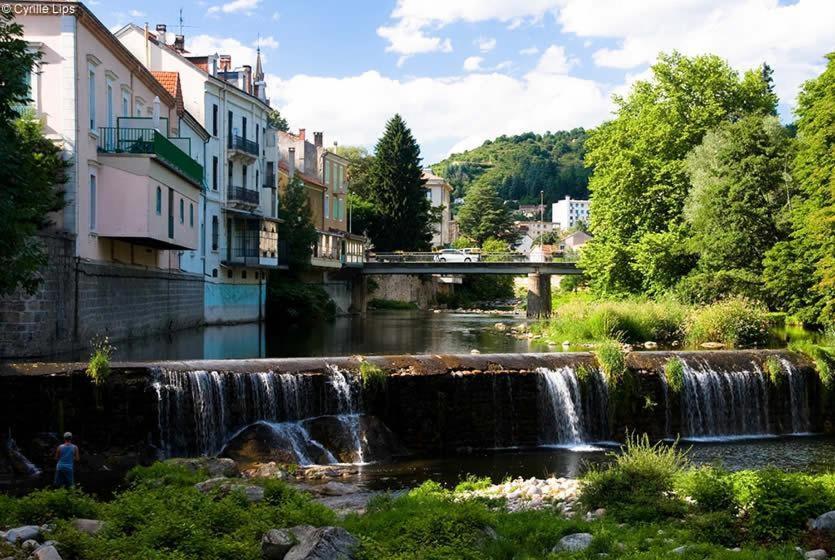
(148, 141)
(242, 149)
(253, 243)
(270, 181)
(327, 251)
(242, 196)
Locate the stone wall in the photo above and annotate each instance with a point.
(79, 300)
(421, 290)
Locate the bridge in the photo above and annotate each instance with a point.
(538, 272)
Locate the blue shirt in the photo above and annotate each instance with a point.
(66, 456)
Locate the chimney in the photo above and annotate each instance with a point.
(213, 64)
(180, 43)
(301, 134)
(161, 33)
(225, 63)
(247, 78)
(317, 139)
(291, 161)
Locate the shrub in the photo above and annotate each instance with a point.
(167, 473)
(290, 299)
(612, 360)
(823, 358)
(780, 504)
(43, 506)
(716, 527)
(372, 376)
(674, 374)
(391, 304)
(638, 485)
(472, 483)
(98, 368)
(710, 487)
(775, 370)
(735, 322)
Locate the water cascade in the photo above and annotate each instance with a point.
(573, 412)
(199, 411)
(798, 399)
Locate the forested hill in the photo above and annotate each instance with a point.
(523, 165)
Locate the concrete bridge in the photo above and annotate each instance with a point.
(538, 273)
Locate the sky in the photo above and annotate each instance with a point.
(464, 71)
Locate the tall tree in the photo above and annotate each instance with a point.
(296, 229)
(484, 214)
(276, 121)
(801, 270)
(32, 168)
(398, 192)
(639, 183)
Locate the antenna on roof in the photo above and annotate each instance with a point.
(180, 21)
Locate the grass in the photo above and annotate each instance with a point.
(371, 376)
(391, 304)
(98, 368)
(823, 357)
(734, 322)
(674, 374)
(612, 360)
(655, 502)
(774, 370)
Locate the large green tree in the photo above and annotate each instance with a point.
(32, 169)
(277, 121)
(800, 271)
(484, 214)
(398, 193)
(739, 193)
(296, 229)
(639, 183)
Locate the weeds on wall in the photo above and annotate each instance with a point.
(612, 360)
(822, 357)
(674, 374)
(98, 368)
(372, 377)
(774, 370)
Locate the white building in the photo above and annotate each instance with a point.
(238, 238)
(438, 191)
(568, 212)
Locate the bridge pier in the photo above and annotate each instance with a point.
(539, 295)
(359, 293)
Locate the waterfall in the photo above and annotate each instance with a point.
(668, 415)
(348, 405)
(721, 404)
(798, 399)
(569, 417)
(297, 438)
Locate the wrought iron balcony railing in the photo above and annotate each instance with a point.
(240, 143)
(242, 195)
(114, 140)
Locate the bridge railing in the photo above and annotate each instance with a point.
(469, 258)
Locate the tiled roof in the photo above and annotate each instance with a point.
(171, 82)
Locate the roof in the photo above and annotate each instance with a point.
(282, 166)
(430, 177)
(171, 82)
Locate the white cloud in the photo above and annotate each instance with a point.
(268, 42)
(407, 38)
(235, 6)
(241, 54)
(136, 14)
(444, 113)
(792, 38)
(276, 16)
(529, 51)
(554, 61)
(485, 44)
(473, 63)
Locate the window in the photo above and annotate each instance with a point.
(125, 103)
(339, 177)
(214, 172)
(229, 273)
(243, 176)
(91, 84)
(243, 275)
(191, 214)
(92, 202)
(229, 118)
(214, 119)
(159, 202)
(109, 103)
(182, 211)
(215, 233)
(327, 171)
(231, 171)
(139, 108)
(243, 127)
(257, 178)
(257, 133)
(214, 273)
(327, 204)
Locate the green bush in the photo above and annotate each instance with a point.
(391, 304)
(98, 368)
(578, 319)
(372, 376)
(674, 374)
(472, 483)
(734, 322)
(43, 506)
(167, 473)
(290, 299)
(638, 485)
(822, 357)
(774, 370)
(612, 360)
(780, 504)
(716, 527)
(711, 488)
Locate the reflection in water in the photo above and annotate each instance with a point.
(378, 332)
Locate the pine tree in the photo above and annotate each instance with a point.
(398, 192)
(32, 168)
(484, 214)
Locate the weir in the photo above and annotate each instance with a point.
(318, 411)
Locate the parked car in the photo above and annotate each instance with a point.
(455, 255)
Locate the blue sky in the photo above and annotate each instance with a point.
(462, 71)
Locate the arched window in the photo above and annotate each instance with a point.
(159, 201)
(182, 211)
(191, 214)
(214, 233)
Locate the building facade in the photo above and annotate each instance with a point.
(569, 211)
(438, 192)
(133, 195)
(239, 237)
